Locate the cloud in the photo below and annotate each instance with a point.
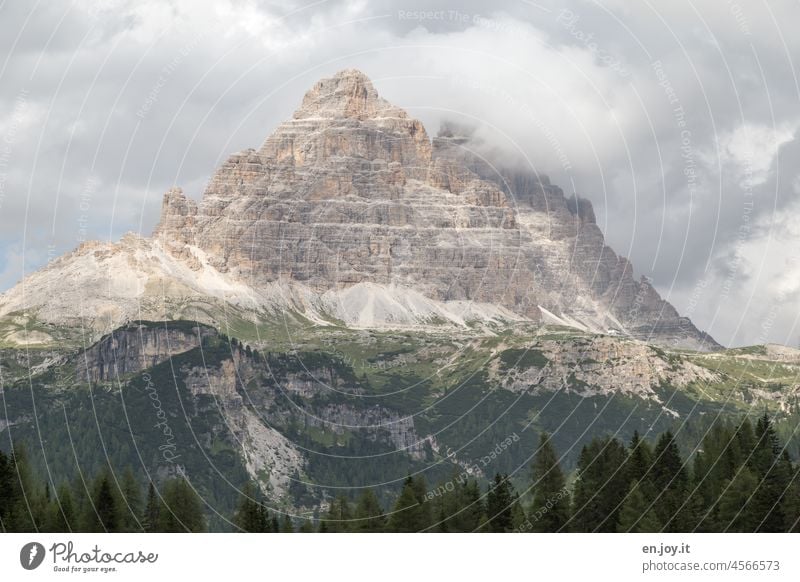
(678, 121)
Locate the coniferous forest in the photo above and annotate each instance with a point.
(741, 479)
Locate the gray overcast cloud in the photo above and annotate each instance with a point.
(678, 120)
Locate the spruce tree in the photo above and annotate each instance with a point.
(106, 504)
(152, 510)
(640, 459)
(734, 514)
(369, 515)
(600, 487)
(550, 510)
(637, 516)
(501, 502)
(250, 516)
(62, 515)
(774, 474)
(182, 510)
(131, 503)
(411, 512)
(286, 524)
(671, 482)
(339, 517)
(6, 492)
(101, 514)
(22, 517)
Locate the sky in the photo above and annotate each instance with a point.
(678, 120)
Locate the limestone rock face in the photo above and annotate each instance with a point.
(135, 348)
(351, 190)
(350, 209)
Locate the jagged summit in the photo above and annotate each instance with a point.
(350, 211)
(348, 94)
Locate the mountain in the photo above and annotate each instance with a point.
(349, 213)
(351, 304)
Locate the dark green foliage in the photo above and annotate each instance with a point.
(550, 510)
(152, 510)
(286, 524)
(774, 472)
(640, 459)
(637, 515)
(369, 515)
(106, 508)
(735, 513)
(62, 513)
(457, 505)
(601, 486)
(339, 517)
(522, 359)
(411, 512)
(671, 485)
(131, 503)
(182, 509)
(251, 515)
(502, 506)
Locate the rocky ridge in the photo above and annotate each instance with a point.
(350, 212)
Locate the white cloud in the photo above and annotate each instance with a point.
(752, 148)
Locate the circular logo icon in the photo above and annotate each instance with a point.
(31, 555)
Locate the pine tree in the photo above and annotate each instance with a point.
(182, 510)
(671, 482)
(101, 513)
(411, 513)
(501, 501)
(152, 510)
(105, 503)
(734, 514)
(472, 513)
(460, 508)
(600, 487)
(62, 515)
(791, 503)
(773, 473)
(22, 517)
(6, 492)
(131, 503)
(369, 515)
(550, 510)
(339, 517)
(637, 516)
(250, 516)
(286, 524)
(640, 459)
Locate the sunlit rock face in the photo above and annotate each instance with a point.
(350, 209)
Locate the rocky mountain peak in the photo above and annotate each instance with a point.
(348, 94)
(349, 209)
